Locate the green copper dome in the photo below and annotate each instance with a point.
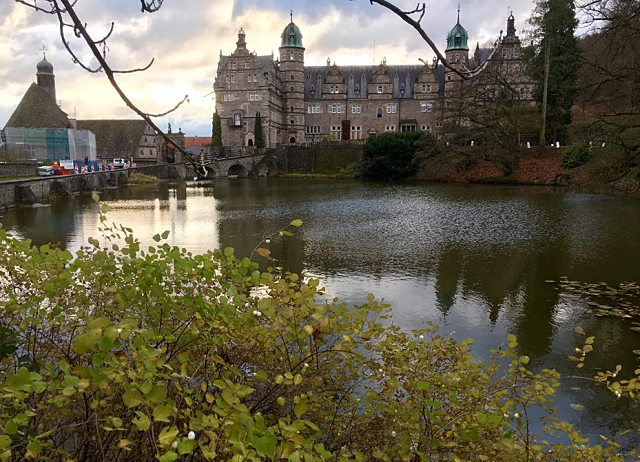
(457, 38)
(291, 36)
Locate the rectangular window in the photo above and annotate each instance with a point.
(234, 65)
(249, 78)
(390, 128)
(253, 96)
(255, 77)
(525, 93)
(438, 124)
(233, 78)
(333, 89)
(425, 128)
(392, 108)
(380, 88)
(379, 113)
(426, 88)
(246, 64)
(356, 109)
(426, 107)
(228, 79)
(313, 129)
(335, 108)
(336, 128)
(313, 109)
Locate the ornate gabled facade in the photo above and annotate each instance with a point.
(299, 103)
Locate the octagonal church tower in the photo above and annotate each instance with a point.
(292, 78)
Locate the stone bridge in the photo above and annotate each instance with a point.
(237, 166)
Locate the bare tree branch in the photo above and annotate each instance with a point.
(65, 8)
(406, 16)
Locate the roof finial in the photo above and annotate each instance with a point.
(291, 14)
(458, 13)
(44, 49)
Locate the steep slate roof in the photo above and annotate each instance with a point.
(38, 110)
(407, 74)
(115, 138)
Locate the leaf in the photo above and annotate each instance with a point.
(266, 445)
(167, 435)
(579, 330)
(301, 407)
(143, 423)
(187, 446)
(297, 223)
(123, 443)
(132, 398)
(162, 413)
(165, 234)
(158, 394)
(512, 340)
(168, 456)
(11, 428)
(266, 253)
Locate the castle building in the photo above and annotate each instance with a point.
(306, 104)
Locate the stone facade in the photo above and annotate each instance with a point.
(299, 103)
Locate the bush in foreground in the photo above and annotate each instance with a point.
(122, 353)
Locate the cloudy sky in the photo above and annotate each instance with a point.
(186, 37)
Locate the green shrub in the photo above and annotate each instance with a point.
(389, 156)
(141, 178)
(123, 353)
(575, 155)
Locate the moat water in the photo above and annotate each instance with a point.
(480, 261)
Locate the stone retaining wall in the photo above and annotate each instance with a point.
(39, 190)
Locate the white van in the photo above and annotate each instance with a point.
(45, 170)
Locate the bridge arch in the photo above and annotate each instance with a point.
(238, 170)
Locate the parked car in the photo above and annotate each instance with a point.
(45, 170)
(119, 163)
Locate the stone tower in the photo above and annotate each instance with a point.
(45, 78)
(457, 53)
(292, 78)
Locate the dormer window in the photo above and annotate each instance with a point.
(380, 88)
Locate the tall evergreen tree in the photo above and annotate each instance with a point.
(556, 59)
(216, 135)
(258, 132)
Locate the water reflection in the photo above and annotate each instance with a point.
(473, 259)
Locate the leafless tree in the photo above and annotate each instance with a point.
(414, 19)
(70, 23)
(610, 74)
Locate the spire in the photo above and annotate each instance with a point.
(291, 15)
(458, 13)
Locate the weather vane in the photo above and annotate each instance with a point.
(44, 50)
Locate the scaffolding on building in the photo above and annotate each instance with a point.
(48, 144)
